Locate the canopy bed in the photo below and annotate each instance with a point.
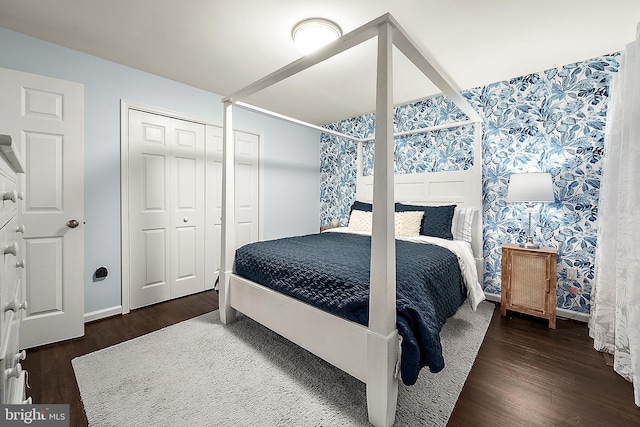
(368, 348)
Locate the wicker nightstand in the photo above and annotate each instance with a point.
(529, 281)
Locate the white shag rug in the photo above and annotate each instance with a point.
(202, 373)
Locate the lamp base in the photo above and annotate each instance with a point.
(529, 244)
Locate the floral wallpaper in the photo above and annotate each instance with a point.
(552, 121)
(442, 150)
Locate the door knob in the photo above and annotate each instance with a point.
(72, 223)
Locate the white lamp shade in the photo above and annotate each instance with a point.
(535, 187)
(311, 34)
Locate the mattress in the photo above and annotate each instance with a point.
(331, 272)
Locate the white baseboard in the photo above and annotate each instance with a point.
(572, 315)
(560, 312)
(492, 297)
(101, 314)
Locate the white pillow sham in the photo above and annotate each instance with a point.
(407, 224)
(360, 221)
(461, 225)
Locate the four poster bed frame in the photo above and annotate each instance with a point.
(367, 353)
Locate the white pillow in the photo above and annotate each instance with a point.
(462, 223)
(360, 221)
(406, 224)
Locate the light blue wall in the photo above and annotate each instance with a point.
(291, 188)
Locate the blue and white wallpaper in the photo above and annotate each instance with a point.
(443, 150)
(551, 121)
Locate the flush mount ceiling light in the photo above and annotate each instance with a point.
(313, 33)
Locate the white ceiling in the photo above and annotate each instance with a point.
(224, 45)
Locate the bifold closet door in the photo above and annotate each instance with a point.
(246, 176)
(247, 194)
(166, 207)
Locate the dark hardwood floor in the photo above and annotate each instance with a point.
(524, 375)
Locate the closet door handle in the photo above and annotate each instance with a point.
(20, 229)
(72, 223)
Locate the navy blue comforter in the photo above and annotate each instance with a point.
(331, 272)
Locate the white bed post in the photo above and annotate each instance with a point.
(227, 314)
(477, 240)
(382, 339)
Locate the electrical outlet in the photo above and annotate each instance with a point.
(100, 274)
(572, 273)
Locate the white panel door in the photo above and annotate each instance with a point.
(45, 117)
(166, 207)
(187, 209)
(214, 203)
(247, 184)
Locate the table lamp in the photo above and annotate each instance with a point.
(530, 188)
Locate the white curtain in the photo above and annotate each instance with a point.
(615, 311)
